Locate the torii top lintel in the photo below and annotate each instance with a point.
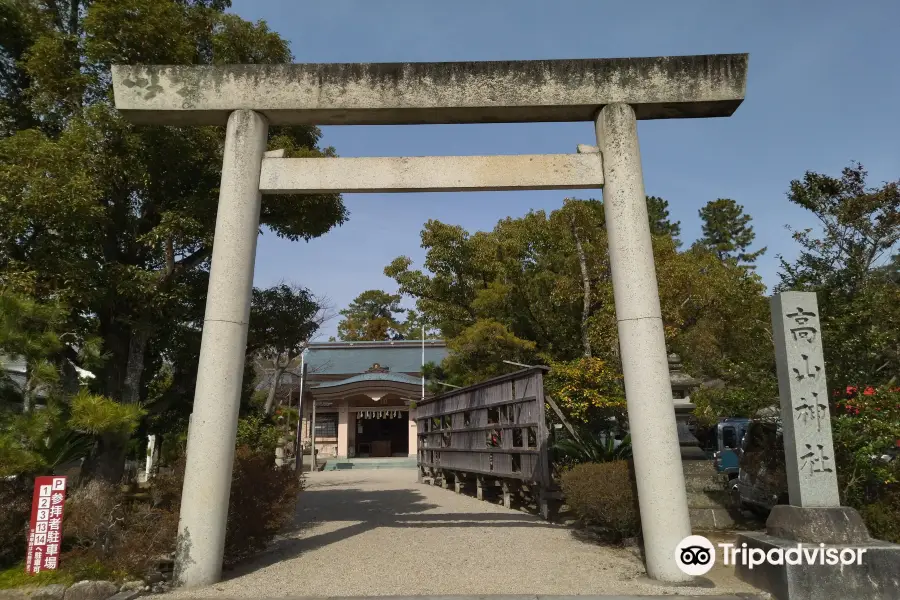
(421, 93)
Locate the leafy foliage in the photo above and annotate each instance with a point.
(257, 433)
(283, 319)
(588, 447)
(372, 316)
(713, 404)
(866, 425)
(116, 221)
(98, 415)
(727, 231)
(849, 265)
(539, 289)
(587, 389)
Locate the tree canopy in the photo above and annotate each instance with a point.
(375, 315)
(851, 261)
(539, 289)
(117, 221)
(727, 231)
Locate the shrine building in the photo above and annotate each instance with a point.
(362, 393)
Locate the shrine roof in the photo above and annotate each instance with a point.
(392, 377)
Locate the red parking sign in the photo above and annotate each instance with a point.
(45, 533)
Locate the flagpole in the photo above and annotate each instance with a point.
(423, 362)
(298, 446)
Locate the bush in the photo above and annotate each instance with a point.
(104, 527)
(107, 532)
(603, 494)
(883, 516)
(15, 510)
(258, 434)
(262, 502)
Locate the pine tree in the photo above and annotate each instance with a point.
(727, 232)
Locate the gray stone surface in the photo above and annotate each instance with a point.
(665, 519)
(55, 591)
(833, 525)
(217, 396)
(418, 93)
(127, 595)
(877, 578)
(705, 519)
(91, 590)
(809, 452)
(430, 173)
(128, 586)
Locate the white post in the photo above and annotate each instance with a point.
(151, 457)
(665, 520)
(423, 362)
(298, 445)
(207, 480)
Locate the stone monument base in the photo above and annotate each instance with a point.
(877, 578)
(824, 535)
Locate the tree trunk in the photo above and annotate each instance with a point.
(586, 284)
(107, 462)
(137, 347)
(273, 389)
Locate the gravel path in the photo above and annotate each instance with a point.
(378, 532)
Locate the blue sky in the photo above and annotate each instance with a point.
(822, 91)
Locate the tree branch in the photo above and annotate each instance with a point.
(195, 259)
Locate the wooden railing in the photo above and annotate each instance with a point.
(492, 434)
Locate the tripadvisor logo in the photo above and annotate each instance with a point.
(696, 555)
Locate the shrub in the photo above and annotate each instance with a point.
(258, 434)
(589, 447)
(603, 494)
(107, 532)
(102, 526)
(883, 516)
(262, 502)
(15, 510)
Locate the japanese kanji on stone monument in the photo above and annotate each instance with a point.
(809, 452)
(814, 516)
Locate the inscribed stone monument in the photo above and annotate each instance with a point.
(809, 453)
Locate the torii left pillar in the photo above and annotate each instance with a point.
(207, 478)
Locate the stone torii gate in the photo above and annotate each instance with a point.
(613, 93)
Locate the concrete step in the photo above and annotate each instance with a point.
(703, 483)
(717, 499)
(711, 518)
(371, 463)
(699, 467)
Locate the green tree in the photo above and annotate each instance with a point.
(539, 287)
(114, 220)
(69, 422)
(850, 262)
(283, 319)
(660, 224)
(727, 231)
(372, 316)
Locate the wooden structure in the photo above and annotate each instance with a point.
(493, 434)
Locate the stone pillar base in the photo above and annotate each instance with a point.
(829, 525)
(877, 577)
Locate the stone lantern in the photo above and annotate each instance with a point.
(682, 386)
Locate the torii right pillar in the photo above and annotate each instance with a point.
(665, 519)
